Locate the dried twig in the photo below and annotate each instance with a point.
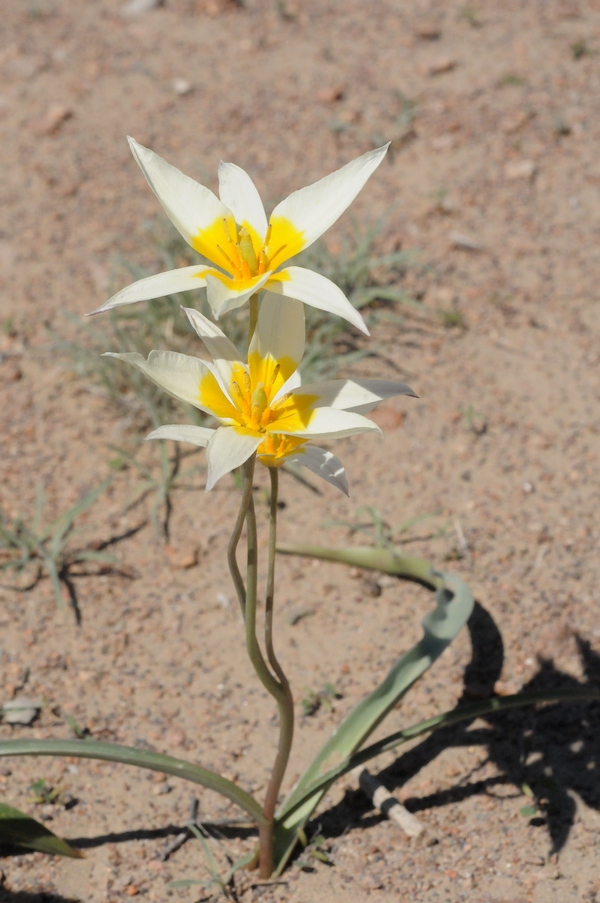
(184, 835)
(387, 804)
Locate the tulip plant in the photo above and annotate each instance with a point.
(266, 415)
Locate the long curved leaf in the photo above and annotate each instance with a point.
(128, 755)
(469, 712)
(23, 831)
(454, 604)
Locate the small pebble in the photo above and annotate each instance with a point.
(428, 31)
(139, 7)
(464, 241)
(161, 789)
(520, 169)
(331, 94)
(438, 65)
(181, 558)
(182, 87)
(52, 120)
(20, 711)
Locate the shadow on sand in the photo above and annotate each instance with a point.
(554, 748)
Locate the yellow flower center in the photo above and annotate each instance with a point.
(252, 407)
(253, 399)
(242, 256)
(273, 451)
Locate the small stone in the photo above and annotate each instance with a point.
(161, 789)
(52, 120)
(464, 241)
(520, 169)
(428, 31)
(181, 558)
(155, 865)
(528, 487)
(371, 881)
(515, 121)
(438, 65)
(331, 94)
(371, 588)
(182, 87)
(20, 711)
(139, 7)
(175, 737)
(132, 890)
(10, 372)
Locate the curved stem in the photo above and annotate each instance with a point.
(254, 651)
(236, 576)
(274, 475)
(285, 701)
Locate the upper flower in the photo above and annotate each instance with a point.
(233, 234)
(261, 405)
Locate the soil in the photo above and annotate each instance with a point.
(492, 187)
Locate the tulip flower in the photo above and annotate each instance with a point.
(248, 252)
(261, 404)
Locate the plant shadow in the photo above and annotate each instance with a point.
(553, 750)
(26, 896)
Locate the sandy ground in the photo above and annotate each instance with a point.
(492, 188)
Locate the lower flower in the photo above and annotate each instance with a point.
(261, 405)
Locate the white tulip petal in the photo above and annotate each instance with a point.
(280, 330)
(178, 374)
(198, 214)
(223, 352)
(324, 464)
(228, 449)
(183, 432)
(239, 193)
(306, 214)
(222, 297)
(358, 395)
(317, 291)
(186, 279)
(327, 423)
(294, 382)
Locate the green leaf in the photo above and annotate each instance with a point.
(58, 529)
(23, 831)
(142, 758)
(528, 811)
(454, 604)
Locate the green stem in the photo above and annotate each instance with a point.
(247, 479)
(254, 651)
(253, 319)
(285, 700)
(265, 838)
(127, 755)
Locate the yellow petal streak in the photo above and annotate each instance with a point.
(212, 242)
(213, 399)
(285, 240)
(271, 373)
